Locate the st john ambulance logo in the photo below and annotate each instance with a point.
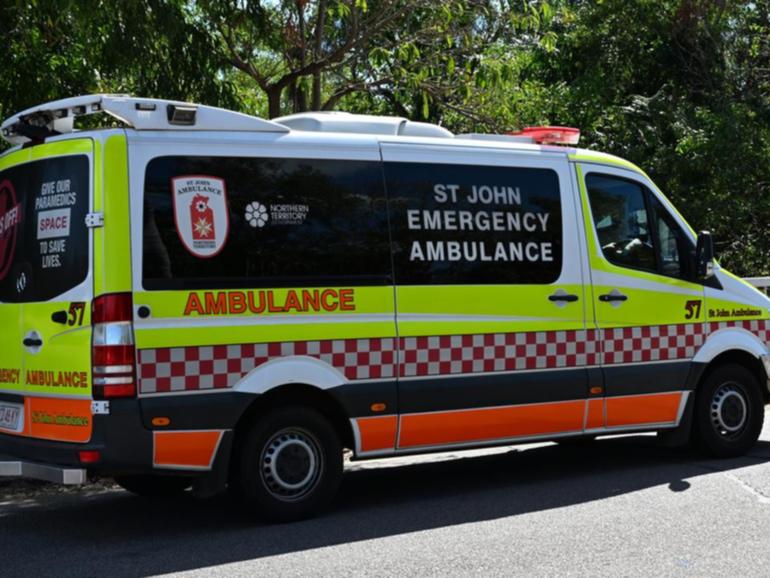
(201, 214)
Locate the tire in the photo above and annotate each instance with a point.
(729, 411)
(290, 465)
(150, 486)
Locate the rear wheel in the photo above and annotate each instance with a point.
(729, 411)
(291, 464)
(154, 486)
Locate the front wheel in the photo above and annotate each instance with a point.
(290, 465)
(729, 411)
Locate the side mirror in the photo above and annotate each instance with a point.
(704, 256)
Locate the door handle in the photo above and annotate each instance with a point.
(566, 297)
(59, 317)
(611, 297)
(30, 342)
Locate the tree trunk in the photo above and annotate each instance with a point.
(316, 104)
(274, 101)
(300, 102)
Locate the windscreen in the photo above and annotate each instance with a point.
(43, 234)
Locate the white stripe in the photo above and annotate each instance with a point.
(299, 319)
(235, 321)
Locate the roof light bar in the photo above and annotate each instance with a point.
(561, 135)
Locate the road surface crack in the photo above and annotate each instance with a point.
(758, 494)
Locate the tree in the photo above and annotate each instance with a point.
(681, 87)
(683, 92)
(409, 54)
(60, 48)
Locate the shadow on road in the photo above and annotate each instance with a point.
(117, 533)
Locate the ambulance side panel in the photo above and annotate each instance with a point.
(260, 263)
(657, 325)
(490, 296)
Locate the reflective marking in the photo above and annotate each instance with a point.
(186, 450)
(494, 423)
(643, 409)
(376, 433)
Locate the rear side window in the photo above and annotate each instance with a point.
(43, 234)
(224, 222)
(464, 224)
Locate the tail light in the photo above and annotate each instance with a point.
(113, 354)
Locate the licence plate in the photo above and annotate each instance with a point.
(10, 416)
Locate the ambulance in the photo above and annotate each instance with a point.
(197, 298)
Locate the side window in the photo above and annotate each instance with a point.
(465, 224)
(224, 222)
(621, 221)
(43, 233)
(677, 253)
(635, 230)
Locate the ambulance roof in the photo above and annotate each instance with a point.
(143, 114)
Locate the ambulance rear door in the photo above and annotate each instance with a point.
(46, 291)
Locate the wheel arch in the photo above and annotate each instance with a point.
(730, 339)
(299, 394)
(745, 359)
(295, 380)
(734, 345)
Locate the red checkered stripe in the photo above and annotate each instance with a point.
(452, 354)
(222, 366)
(759, 327)
(652, 343)
(667, 342)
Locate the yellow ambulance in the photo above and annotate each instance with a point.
(205, 298)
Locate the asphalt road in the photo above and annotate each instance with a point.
(617, 507)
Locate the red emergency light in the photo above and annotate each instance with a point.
(562, 135)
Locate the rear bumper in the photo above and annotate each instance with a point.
(15, 468)
(128, 444)
(123, 443)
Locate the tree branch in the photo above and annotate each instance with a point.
(238, 62)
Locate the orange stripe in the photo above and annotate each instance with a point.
(66, 420)
(193, 449)
(377, 433)
(595, 413)
(490, 424)
(641, 409)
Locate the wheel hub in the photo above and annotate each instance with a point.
(729, 410)
(291, 464)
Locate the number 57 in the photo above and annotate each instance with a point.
(692, 309)
(76, 313)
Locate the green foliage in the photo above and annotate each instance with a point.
(59, 48)
(680, 87)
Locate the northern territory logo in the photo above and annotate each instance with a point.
(201, 214)
(10, 217)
